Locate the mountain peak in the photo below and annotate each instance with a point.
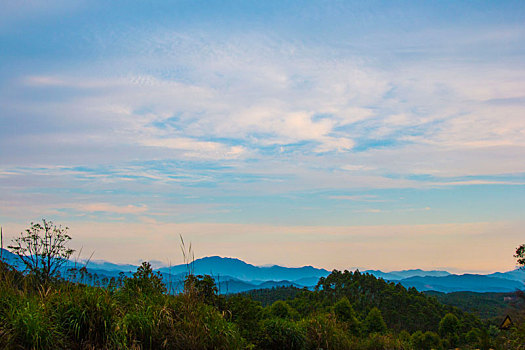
(217, 257)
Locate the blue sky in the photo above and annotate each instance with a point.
(339, 134)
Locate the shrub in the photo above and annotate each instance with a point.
(200, 326)
(376, 341)
(279, 333)
(324, 332)
(10, 278)
(404, 336)
(280, 309)
(425, 341)
(473, 336)
(246, 313)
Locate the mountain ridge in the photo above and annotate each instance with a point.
(235, 275)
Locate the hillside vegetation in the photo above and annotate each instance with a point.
(346, 311)
(39, 309)
(487, 306)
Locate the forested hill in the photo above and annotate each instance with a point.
(401, 308)
(488, 306)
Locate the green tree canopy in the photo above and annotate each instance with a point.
(448, 325)
(425, 341)
(145, 281)
(280, 309)
(374, 322)
(345, 313)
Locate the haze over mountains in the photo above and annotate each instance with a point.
(234, 275)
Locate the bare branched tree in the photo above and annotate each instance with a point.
(43, 249)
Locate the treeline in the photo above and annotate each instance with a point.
(387, 314)
(268, 296)
(346, 311)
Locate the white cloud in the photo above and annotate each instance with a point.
(358, 198)
(319, 102)
(356, 167)
(111, 208)
(197, 121)
(198, 149)
(370, 210)
(339, 144)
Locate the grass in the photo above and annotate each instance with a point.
(137, 315)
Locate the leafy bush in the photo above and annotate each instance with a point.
(281, 309)
(246, 314)
(376, 341)
(278, 333)
(425, 341)
(324, 332)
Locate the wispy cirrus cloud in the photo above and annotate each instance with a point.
(197, 149)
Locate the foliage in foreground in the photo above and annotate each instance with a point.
(137, 315)
(347, 311)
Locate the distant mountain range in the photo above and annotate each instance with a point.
(461, 283)
(234, 275)
(217, 266)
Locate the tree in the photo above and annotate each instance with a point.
(345, 313)
(203, 287)
(145, 281)
(448, 325)
(520, 255)
(425, 341)
(449, 329)
(279, 333)
(43, 249)
(374, 322)
(473, 336)
(280, 309)
(246, 313)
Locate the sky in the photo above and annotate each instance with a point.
(339, 134)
